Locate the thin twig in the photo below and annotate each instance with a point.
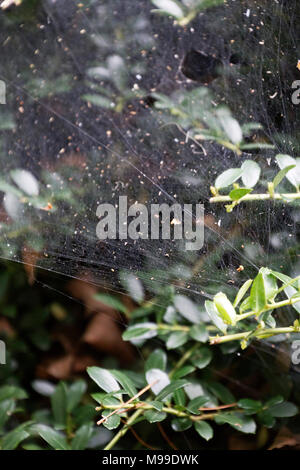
(122, 406)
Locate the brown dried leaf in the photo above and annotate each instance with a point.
(285, 438)
(104, 335)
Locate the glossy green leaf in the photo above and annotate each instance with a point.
(167, 391)
(11, 391)
(157, 405)
(251, 173)
(177, 339)
(12, 439)
(281, 174)
(214, 316)
(103, 378)
(221, 392)
(238, 421)
(154, 416)
(82, 436)
(250, 405)
(187, 308)
(75, 392)
(202, 357)
(112, 422)
(238, 193)
(54, 438)
(170, 7)
(125, 382)
(59, 405)
(283, 410)
(183, 371)
(204, 430)
(228, 177)
(198, 402)
(242, 291)
(199, 333)
(111, 301)
(141, 331)
(257, 294)
(292, 175)
(225, 308)
(156, 360)
(181, 424)
(290, 292)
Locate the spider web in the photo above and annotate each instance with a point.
(83, 152)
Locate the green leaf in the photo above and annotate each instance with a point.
(282, 277)
(167, 391)
(133, 286)
(198, 402)
(242, 291)
(266, 419)
(221, 392)
(238, 193)
(10, 391)
(6, 409)
(283, 410)
(158, 379)
(183, 371)
(214, 316)
(82, 436)
(274, 401)
(199, 333)
(181, 424)
(157, 405)
(12, 439)
(281, 174)
(257, 294)
(108, 400)
(180, 397)
(154, 416)
(245, 305)
(75, 393)
(104, 379)
(292, 175)
(177, 339)
(156, 360)
(251, 173)
(240, 422)
(225, 308)
(99, 100)
(202, 357)
(228, 177)
(140, 331)
(54, 438)
(252, 406)
(112, 302)
(112, 422)
(125, 381)
(204, 430)
(170, 7)
(270, 283)
(290, 292)
(187, 308)
(256, 145)
(59, 405)
(231, 126)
